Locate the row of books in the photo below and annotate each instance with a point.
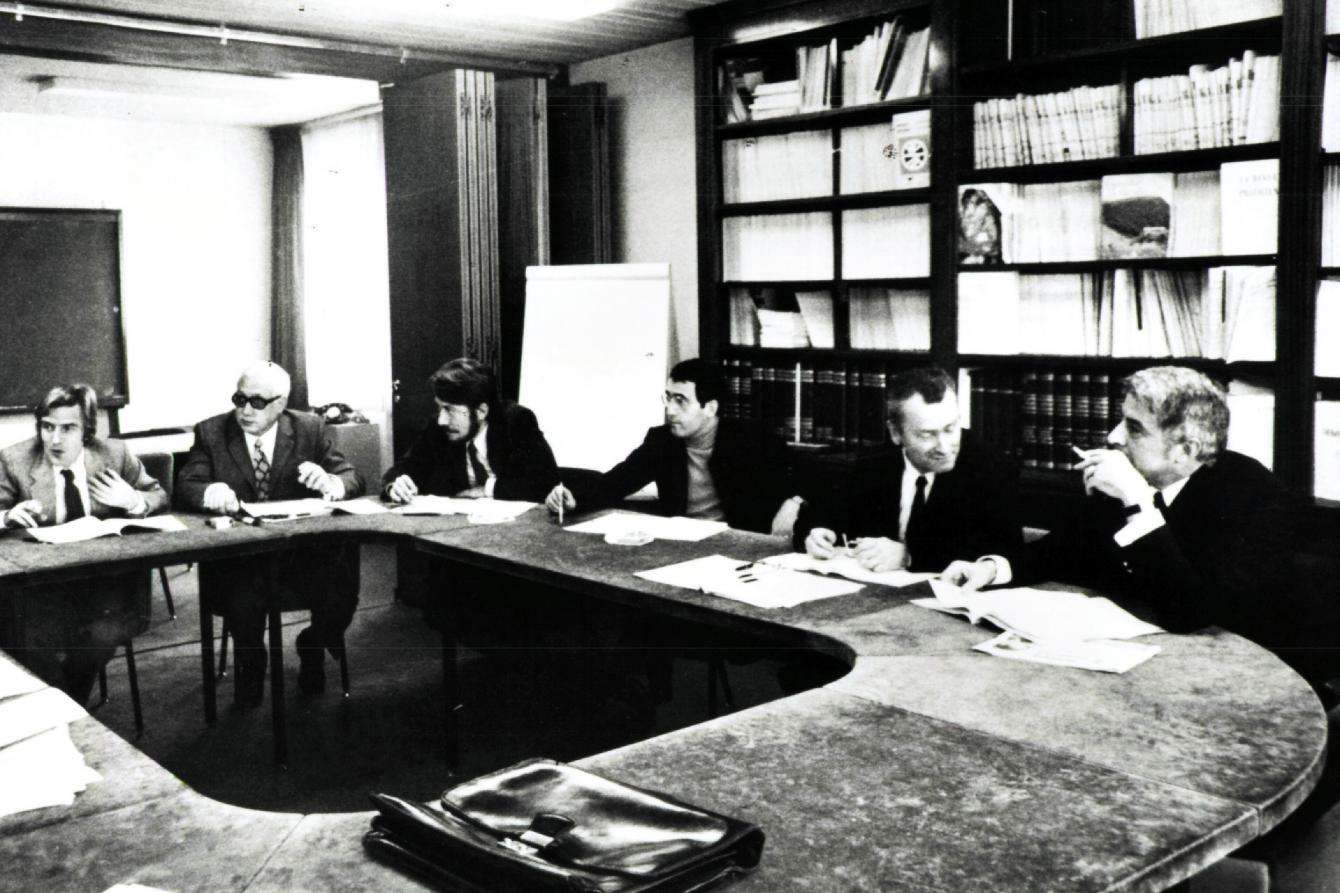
(878, 318)
(1084, 122)
(788, 165)
(1221, 313)
(880, 157)
(1326, 359)
(1037, 415)
(1330, 107)
(1232, 105)
(1326, 450)
(1231, 212)
(1155, 17)
(888, 63)
(777, 247)
(1330, 215)
(839, 405)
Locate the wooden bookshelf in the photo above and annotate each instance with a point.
(970, 38)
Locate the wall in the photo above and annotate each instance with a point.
(653, 182)
(195, 203)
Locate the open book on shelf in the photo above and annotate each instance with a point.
(89, 528)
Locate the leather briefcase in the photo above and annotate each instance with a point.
(544, 825)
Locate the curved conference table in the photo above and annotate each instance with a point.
(926, 767)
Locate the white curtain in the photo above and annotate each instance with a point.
(344, 249)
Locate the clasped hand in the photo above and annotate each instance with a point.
(314, 477)
(402, 489)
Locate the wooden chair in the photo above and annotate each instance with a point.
(161, 467)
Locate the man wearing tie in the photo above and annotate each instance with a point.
(1200, 532)
(64, 473)
(943, 495)
(264, 451)
(477, 446)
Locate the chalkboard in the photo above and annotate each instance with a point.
(60, 304)
(593, 357)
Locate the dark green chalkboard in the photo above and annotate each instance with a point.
(60, 304)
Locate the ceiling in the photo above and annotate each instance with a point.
(30, 83)
(433, 25)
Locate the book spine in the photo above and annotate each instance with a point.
(1046, 418)
(1028, 420)
(1064, 431)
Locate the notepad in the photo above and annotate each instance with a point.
(848, 567)
(1040, 615)
(760, 585)
(89, 528)
(480, 510)
(627, 524)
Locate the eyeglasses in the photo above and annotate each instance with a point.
(256, 401)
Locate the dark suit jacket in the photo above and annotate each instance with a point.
(25, 474)
(220, 454)
(748, 467)
(971, 511)
(519, 455)
(1222, 557)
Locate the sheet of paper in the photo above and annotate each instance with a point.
(1042, 615)
(26, 715)
(162, 523)
(760, 585)
(44, 770)
(14, 680)
(77, 531)
(846, 566)
(1100, 655)
(484, 509)
(288, 508)
(358, 507)
(627, 524)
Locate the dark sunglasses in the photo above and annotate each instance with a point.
(257, 401)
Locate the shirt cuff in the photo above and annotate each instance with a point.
(212, 489)
(1141, 524)
(490, 485)
(1004, 573)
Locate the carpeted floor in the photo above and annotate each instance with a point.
(388, 735)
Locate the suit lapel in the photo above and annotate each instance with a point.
(237, 450)
(42, 485)
(283, 453)
(95, 462)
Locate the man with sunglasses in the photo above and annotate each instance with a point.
(259, 451)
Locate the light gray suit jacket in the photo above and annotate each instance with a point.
(26, 474)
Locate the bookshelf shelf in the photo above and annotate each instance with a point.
(1333, 44)
(827, 202)
(1330, 271)
(822, 120)
(845, 353)
(1092, 168)
(810, 284)
(1183, 48)
(1132, 263)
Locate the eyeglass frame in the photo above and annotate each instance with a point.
(255, 401)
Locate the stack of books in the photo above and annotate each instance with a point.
(816, 70)
(1228, 106)
(1084, 122)
(775, 100)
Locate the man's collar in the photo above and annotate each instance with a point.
(1170, 492)
(267, 440)
(910, 470)
(77, 466)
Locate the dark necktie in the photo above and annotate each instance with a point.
(918, 509)
(476, 467)
(262, 466)
(74, 505)
(1159, 502)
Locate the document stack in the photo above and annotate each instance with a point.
(1084, 122)
(1155, 17)
(39, 764)
(775, 100)
(1231, 105)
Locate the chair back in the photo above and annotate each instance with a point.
(160, 467)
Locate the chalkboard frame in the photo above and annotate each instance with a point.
(119, 394)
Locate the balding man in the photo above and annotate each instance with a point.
(261, 451)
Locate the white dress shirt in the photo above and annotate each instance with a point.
(482, 450)
(80, 483)
(267, 442)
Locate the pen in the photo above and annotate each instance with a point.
(1079, 452)
(745, 567)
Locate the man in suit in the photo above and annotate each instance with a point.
(478, 445)
(703, 466)
(1201, 533)
(944, 496)
(262, 450)
(64, 473)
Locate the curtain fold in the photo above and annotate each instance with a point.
(288, 345)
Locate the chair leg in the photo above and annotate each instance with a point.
(102, 686)
(344, 668)
(223, 648)
(167, 593)
(134, 687)
(209, 683)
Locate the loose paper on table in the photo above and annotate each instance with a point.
(622, 524)
(846, 566)
(43, 770)
(89, 528)
(483, 509)
(760, 585)
(1040, 614)
(1095, 654)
